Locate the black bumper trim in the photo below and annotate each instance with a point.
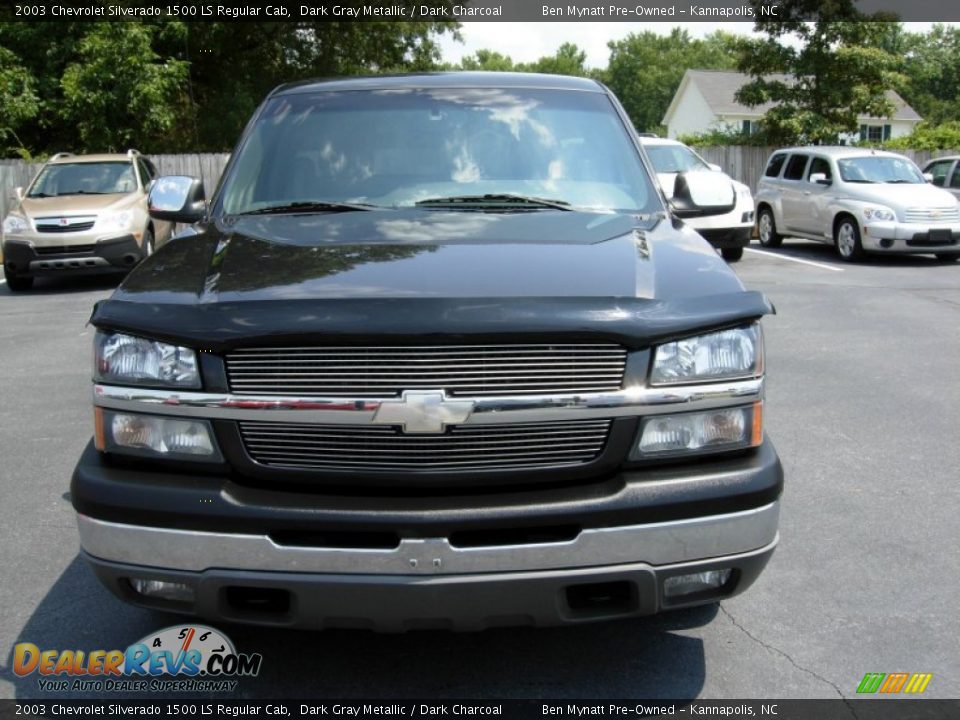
(217, 503)
(116, 251)
(397, 603)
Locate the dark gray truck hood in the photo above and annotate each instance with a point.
(350, 277)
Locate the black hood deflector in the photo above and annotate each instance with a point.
(632, 322)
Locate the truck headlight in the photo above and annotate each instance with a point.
(129, 360)
(700, 432)
(115, 221)
(15, 224)
(879, 213)
(724, 355)
(155, 436)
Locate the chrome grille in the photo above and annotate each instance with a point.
(65, 224)
(458, 369)
(461, 449)
(941, 214)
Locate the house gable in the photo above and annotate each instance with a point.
(717, 107)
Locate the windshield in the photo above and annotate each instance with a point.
(674, 158)
(397, 147)
(95, 178)
(874, 169)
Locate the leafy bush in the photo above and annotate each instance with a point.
(945, 136)
(722, 137)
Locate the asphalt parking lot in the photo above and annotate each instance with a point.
(863, 404)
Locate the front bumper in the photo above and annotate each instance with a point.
(108, 255)
(728, 237)
(397, 603)
(466, 562)
(897, 237)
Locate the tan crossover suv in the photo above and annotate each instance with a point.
(82, 214)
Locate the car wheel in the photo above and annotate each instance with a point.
(732, 254)
(767, 229)
(18, 283)
(948, 257)
(847, 239)
(147, 243)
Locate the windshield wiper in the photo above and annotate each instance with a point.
(868, 182)
(306, 206)
(899, 181)
(496, 199)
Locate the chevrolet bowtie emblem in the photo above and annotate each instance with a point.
(423, 411)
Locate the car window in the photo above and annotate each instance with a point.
(147, 173)
(955, 178)
(674, 158)
(819, 165)
(773, 167)
(395, 148)
(795, 167)
(939, 170)
(879, 169)
(84, 178)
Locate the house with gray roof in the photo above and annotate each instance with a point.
(706, 101)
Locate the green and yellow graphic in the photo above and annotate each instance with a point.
(890, 683)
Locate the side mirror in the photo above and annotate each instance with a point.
(697, 194)
(928, 177)
(819, 178)
(715, 167)
(16, 194)
(177, 198)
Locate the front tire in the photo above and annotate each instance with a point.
(846, 237)
(147, 248)
(767, 229)
(732, 254)
(18, 283)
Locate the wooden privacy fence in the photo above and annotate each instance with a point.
(743, 163)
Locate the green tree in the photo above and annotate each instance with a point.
(179, 87)
(823, 65)
(931, 72)
(645, 69)
(18, 101)
(567, 60)
(119, 92)
(487, 60)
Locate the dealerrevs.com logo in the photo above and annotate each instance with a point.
(187, 658)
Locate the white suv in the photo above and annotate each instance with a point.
(729, 232)
(859, 200)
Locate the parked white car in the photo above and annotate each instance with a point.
(860, 200)
(730, 232)
(945, 173)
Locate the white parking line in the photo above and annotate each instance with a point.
(794, 259)
(3, 281)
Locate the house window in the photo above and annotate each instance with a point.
(875, 133)
(749, 127)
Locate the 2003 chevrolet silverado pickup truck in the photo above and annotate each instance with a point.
(437, 353)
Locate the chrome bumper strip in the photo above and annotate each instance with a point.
(633, 401)
(655, 543)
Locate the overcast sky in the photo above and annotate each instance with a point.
(526, 42)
